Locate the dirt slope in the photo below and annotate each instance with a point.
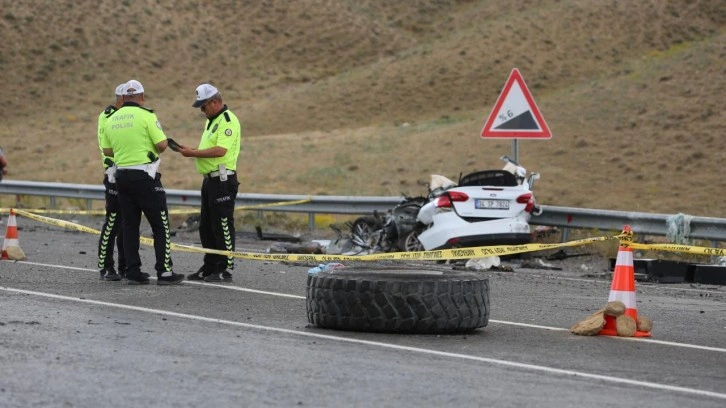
(367, 97)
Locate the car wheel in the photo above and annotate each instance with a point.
(362, 230)
(398, 300)
(410, 242)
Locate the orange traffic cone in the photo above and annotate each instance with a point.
(623, 286)
(11, 245)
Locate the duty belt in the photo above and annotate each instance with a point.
(149, 168)
(217, 174)
(135, 167)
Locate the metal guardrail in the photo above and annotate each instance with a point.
(705, 228)
(317, 204)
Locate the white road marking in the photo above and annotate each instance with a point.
(641, 339)
(527, 325)
(225, 286)
(505, 363)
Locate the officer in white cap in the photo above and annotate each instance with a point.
(216, 160)
(134, 138)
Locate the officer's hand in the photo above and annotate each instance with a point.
(186, 151)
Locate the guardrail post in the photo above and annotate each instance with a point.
(715, 259)
(311, 222)
(565, 234)
(641, 239)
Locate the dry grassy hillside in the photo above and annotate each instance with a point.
(369, 97)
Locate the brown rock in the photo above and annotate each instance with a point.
(644, 324)
(625, 325)
(15, 253)
(615, 308)
(590, 326)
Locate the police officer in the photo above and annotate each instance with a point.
(111, 231)
(134, 138)
(216, 160)
(3, 164)
(3, 171)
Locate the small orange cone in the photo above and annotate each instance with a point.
(623, 286)
(11, 242)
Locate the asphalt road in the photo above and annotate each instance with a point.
(68, 339)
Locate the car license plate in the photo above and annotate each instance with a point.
(482, 204)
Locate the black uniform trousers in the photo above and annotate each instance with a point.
(111, 232)
(216, 223)
(138, 193)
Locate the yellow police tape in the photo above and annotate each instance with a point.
(625, 239)
(171, 212)
(696, 250)
(44, 211)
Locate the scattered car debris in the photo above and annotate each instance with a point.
(540, 264)
(275, 237)
(325, 268)
(287, 248)
(561, 255)
(479, 264)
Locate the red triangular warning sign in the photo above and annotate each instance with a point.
(515, 115)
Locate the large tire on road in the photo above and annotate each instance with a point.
(398, 300)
